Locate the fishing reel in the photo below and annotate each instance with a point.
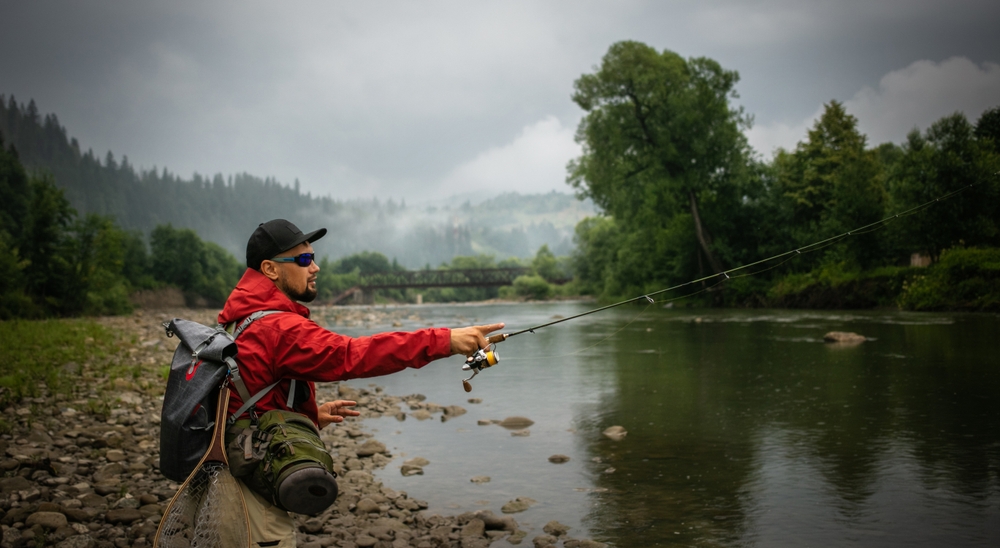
(483, 358)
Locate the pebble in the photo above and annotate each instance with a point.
(411, 470)
(615, 433)
(516, 423)
(519, 504)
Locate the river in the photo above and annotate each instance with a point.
(744, 427)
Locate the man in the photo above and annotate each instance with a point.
(281, 273)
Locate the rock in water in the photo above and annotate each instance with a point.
(615, 433)
(558, 459)
(411, 470)
(370, 448)
(844, 337)
(516, 423)
(519, 504)
(417, 461)
(555, 528)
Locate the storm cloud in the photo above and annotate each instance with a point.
(427, 100)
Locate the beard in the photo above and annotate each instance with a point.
(305, 296)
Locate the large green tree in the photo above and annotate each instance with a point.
(659, 139)
(831, 184)
(949, 156)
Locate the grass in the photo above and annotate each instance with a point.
(47, 357)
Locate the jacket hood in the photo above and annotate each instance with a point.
(256, 292)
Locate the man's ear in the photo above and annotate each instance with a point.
(269, 269)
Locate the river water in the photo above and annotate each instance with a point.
(744, 427)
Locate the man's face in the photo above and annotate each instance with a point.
(298, 282)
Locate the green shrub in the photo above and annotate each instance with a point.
(532, 287)
(963, 279)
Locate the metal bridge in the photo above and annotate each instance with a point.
(472, 277)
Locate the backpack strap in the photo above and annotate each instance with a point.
(234, 369)
(250, 402)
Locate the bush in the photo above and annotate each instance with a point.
(532, 287)
(963, 279)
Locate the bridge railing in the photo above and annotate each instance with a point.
(471, 277)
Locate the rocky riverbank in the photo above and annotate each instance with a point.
(80, 471)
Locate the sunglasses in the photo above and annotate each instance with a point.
(304, 259)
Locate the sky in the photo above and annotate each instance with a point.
(447, 100)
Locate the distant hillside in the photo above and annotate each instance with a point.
(226, 209)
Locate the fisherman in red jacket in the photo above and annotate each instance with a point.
(289, 346)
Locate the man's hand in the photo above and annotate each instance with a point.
(466, 340)
(335, 411)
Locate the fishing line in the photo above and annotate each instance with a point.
(488, 357)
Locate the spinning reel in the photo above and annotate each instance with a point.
(483, 358)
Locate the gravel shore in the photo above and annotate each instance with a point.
(81, 471)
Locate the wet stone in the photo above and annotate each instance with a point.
(411, 470)
(123, 515)
(615, 433)
(555, 528)
(519, 504)
(49, 520)
(516, 423)
(370, 447)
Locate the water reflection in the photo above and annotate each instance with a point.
(739, 433)
(744, 428)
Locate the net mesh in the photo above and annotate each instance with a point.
(207, 513)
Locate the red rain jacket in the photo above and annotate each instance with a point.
(291, 346)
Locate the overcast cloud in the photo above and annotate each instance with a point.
(425, 100)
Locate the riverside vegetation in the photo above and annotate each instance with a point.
(79, 446)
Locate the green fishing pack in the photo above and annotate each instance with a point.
(283, 459)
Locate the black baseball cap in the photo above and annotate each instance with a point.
(275, 237)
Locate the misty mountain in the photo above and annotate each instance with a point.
(226, 209)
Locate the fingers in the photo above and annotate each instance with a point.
(484, 330)
(336, 411)
(487, 329)
(467, 340)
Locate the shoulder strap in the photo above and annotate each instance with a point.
(234, 369)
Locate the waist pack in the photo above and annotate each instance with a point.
(282, 458)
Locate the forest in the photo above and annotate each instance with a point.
(667, 191)
(226, 209)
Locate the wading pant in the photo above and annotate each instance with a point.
(269, 525)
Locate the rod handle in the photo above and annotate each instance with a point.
(493, 339)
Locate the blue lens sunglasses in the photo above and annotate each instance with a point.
(304, 259)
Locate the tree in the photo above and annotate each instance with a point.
(366, 262)
(988, 128)
(45, 244)
(949, 156)
(201, 269)
(14, 192)
(831, 184)
(545, 264)
(659, 137)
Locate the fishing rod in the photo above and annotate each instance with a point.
(488, 357)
